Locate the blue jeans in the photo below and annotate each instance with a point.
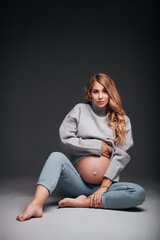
(59, 170)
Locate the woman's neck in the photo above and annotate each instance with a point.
(99, 111)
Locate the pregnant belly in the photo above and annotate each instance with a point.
(92, 168)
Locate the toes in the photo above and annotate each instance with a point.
(60, 204)
(20, 218)
(63, 205)
(29, 212)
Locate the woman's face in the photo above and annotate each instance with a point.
(99, 95)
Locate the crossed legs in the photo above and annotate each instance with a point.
(59, 170)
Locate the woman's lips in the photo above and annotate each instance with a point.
(101, 102)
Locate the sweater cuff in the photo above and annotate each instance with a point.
(111, 175)
(111, 171)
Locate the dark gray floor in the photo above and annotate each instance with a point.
(76, 223)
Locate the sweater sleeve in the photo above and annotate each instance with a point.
(68, 135)
(120, 158)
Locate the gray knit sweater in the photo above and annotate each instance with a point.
(82, 132)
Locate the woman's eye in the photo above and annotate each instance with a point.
(95, 91)
(105, 91)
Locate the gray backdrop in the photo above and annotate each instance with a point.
(48, 53)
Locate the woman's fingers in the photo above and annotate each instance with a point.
(106, 155)
(95, 200)
(99, 200)
(92, 201)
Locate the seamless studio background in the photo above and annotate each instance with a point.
(48, 53)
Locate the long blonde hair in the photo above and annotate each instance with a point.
(115, 112)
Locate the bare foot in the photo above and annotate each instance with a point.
(32, 210)
(80, 201)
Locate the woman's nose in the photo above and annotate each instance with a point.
(100, 95)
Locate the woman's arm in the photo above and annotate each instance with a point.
(120, 158)
(97, 196)
(106, 183)
(118, 162)
(68, 136)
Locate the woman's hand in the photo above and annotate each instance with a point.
(106, 150)
(96, 197)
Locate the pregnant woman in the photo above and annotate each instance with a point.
(97, 134)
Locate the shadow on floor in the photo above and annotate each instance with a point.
(134, 209)
(50, 204)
